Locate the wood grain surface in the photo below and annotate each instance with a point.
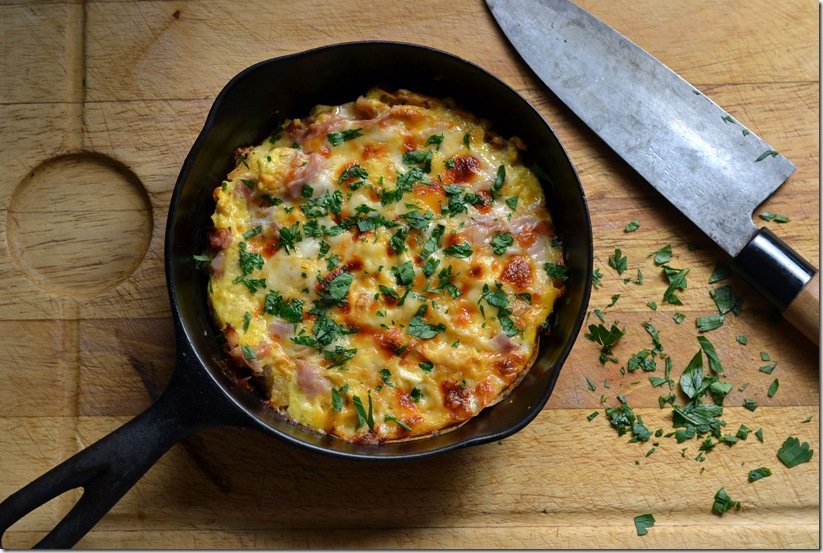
(99, 104)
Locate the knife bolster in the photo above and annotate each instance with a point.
(774, 268)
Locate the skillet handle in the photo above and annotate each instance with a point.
(107, 469)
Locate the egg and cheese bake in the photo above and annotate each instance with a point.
(383, 268)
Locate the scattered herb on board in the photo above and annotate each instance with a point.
(591, 386)
(615, 297)
(742, 339)
(793, 453)
(618, 261)
(642, 523)
(726, 300)
(757, 474)
(592, 415)
(721, 272)
(773, 388)
(768, 369)
(723, 503)
(678, 317)
(759, 435)
(597, 275)
(631, 226)
(652, 305)
(709, 322)
(607, 338)
(750, 404)
(769, 216)
(677, 281)
(663, 255)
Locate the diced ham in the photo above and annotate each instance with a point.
(303, 170)
(310, 379)
(220, 238)
(504, 344)
(281, 329)
(217, 264)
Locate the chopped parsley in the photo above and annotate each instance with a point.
(556, 271)
(631, 226)
(723, 503)
(397, 243)
(248, 353)
(499, 180)
(769, 216)
(501, 242)
(426, 366)
(750, 404)
(721, 272)
(459, 250)
(642, 523)
(392, 418)
(793, 453)
(417, 220)
(403, 274)
(356, 174)
(363, 417)
(597, 277)
(768, 369)
(742, 339)
(337, 397)
(419, 328)
(767, 153)
(246, 321)
(678, 317)
(726, 301)
(757, 474)
(419, 157)
(291, 310)
(606, 337)
(618, 261)
(289, 236)
(434, 140)
(405, 182)
(663, 255)
(201, 261)
(709, 322)
(249, 261)
(773, 387)
(337, 138)
(677, 281)
(322, 205)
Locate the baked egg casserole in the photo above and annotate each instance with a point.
(383, 269)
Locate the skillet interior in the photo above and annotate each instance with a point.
(247, 110)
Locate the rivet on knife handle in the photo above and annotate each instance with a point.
(785, 278)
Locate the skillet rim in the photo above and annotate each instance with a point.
(185, 343)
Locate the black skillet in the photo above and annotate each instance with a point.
(201, 393)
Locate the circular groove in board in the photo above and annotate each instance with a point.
(79, 224)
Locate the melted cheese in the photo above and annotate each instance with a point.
(356, 274)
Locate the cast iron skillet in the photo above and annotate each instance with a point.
(200, 393)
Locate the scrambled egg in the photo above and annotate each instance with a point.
(383, 268)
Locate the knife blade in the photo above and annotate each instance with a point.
(705, 162)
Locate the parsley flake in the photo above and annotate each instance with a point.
(337, 138)
(793, 453)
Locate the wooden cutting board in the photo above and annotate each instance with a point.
(101, 101)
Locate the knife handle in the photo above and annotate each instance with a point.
(782, 275)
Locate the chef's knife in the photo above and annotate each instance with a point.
(713, 169)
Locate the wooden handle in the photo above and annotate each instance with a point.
(804, 311)
(790, 282)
